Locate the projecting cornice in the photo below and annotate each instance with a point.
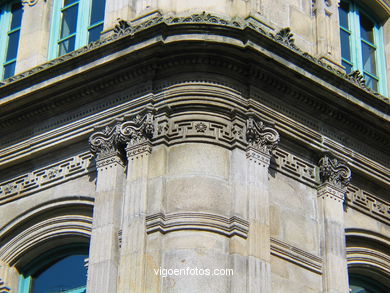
(125, 29)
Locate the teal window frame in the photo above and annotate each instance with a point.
(44, 260)
(355, 44)
(6, 16)
(83, 25)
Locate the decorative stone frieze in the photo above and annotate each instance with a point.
(227, 226)
(334, 172)
(48, 176)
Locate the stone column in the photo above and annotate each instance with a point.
(335, 177)
(261, 141)
(104, 248)
(136, 134)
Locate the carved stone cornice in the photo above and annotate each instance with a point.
(261, 137)
(334, 172)
(105, 145)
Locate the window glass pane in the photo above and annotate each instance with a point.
(13, 43)
(67, 2)
(343, 14)
(69, 21)
(345, 46)
(94, 33)
(66, 46)
(348, 67)
(97, 11)
(366, 29)
(371, 82)
(66, 274)
(9, 70)
(17, 12)
(368, 56)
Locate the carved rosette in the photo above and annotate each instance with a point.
(261, 139)
(335, 176)
(106, 146)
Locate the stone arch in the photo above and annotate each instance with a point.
(44, 227)
(368, 254)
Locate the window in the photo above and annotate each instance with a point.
(60, 270)
(75, 24)
(362, 47)
(10, 24)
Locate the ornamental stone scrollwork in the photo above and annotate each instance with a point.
(132, 136)
(334, 172)
(105, 145)
(334, 176)
(261, 137)
(136, 134)
(137, 130)
(285, 36)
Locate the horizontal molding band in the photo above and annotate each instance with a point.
(227, 226)
(296, 256)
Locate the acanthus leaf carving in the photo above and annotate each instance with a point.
(285, 36)
(105, 143)
(261, 137)
(334, 172)
(136, 131)
(123, 27)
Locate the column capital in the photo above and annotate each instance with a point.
(334, 176)
(136, 134)
(261, 139)
(105, 146)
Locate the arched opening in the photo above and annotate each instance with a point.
(61, 269)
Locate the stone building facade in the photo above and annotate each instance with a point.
(220, 136)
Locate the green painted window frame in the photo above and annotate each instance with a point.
(44, 260)
(82, 28)
(355, 43)
(6, 30)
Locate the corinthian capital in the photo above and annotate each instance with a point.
(136, 133)
(104, 143)
(137, 130)
(334, 172)
(261, 137)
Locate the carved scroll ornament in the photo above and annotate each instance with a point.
(112, 140)
(136, 131)
(105, 143)
(334, 172)
(261, 137)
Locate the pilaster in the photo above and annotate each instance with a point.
(261, 139)
(104, 248)
(326, 16)
(335, 176)
(136, 133)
